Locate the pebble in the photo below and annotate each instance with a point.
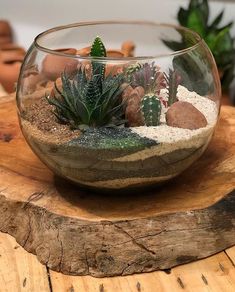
(184, 115)
(133, 113)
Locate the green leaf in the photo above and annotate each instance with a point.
(196, 22)
(216, 21)
(89, 101)
(227, 26)
(82, 112)
(204, 9)
(225, 59)
(193, 4)
(98, 48)
(182, 16)
(222, 41)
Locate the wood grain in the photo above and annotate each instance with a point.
(231, 254)
(83, 233)
(215, 274)
(20, 271)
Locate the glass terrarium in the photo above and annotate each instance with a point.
(108, 105)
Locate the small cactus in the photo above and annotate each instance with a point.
(151, 110)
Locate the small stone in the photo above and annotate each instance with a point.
(184, 115)
(133, 113)
(126, 94)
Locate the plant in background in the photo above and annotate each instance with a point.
(89, 102)
(218, 38)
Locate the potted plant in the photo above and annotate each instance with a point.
(116, 122)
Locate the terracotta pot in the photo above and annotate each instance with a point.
(5, 40)
(5, 28)
(128, 48)
(115, 54)
(9, 75)
(84, 52)
(54, 65)
(12, 55)
(12, 47)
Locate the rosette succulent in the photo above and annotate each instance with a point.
(93, 101)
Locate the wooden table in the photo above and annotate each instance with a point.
(21, 271)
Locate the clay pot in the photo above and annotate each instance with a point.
(12, 47)
(11, 57)
(8, 56)
(128, 48)
(84, 52)
(10, 75)
(115, 54)
(114, 68)
(5, 32)
(54, 65)
(5, 40)
(5, 28)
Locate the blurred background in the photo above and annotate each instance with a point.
(28, 18)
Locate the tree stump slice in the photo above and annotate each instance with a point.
(85, 233)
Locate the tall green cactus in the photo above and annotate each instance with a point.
(151, 110)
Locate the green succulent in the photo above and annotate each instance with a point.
(218, 38)
(89, 102)
(151, 110)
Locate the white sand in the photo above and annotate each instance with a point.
(172, 138)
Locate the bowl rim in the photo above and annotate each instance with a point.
(198, 38)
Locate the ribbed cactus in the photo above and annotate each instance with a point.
(151, 110)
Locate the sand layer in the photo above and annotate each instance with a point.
(122, 157)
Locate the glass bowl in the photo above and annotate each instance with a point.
(109, 105)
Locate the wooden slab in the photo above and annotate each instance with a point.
(20, 271)
(83, 233)
(216, 273)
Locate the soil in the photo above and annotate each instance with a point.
(40, 115)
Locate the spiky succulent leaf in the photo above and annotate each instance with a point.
(91, 93)
(80, 103)
(172, 80)
(151, 110)
(92, 101)
(98, 50)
